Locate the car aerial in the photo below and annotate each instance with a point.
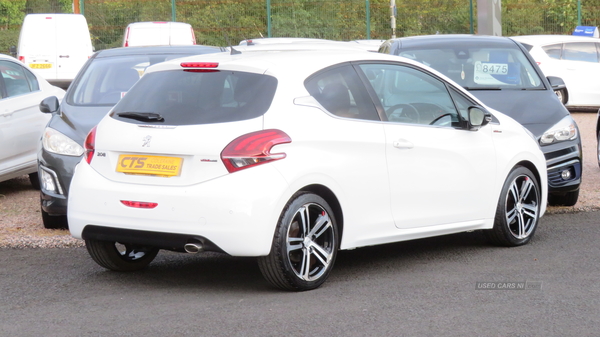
(21, 122)
(502, 74)
(103, 80)
(575, 59)
(291, 156)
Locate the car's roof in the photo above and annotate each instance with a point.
(452, 39)
(277, 40)
(148, 50)
(7, 57)
(301, 63)
(322, 45)
(549, 39)
(154, 23)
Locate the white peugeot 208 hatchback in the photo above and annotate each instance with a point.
(291, 156)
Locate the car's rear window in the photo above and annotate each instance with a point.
(106, 79)
(187, 98)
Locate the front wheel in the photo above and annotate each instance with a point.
(517, 213)
(120, 257)
(304, 247)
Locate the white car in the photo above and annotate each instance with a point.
(292, 156)
(21, 121)
(575, 59)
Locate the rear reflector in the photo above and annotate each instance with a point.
(139, 204)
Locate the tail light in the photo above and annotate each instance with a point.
(90, 145)
(126, 38)
(253, 149)
(22, 59)
(193, 36)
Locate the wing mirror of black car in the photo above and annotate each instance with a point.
(556, 83)
(478, 118)
(13, 51)
(49, 104)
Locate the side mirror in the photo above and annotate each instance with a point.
(556, 83)
(478, 118)
(560, 88)
(13, 51)
(49, 104)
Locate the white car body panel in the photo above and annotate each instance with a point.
(351, 158)
(579, 76)
(21, 127)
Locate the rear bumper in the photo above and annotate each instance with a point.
(239, 222)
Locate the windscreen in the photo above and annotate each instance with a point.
(480, 67)
(106, 80)
(179, 97)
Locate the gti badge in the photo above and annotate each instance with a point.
(146, 142)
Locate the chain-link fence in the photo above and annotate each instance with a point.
(224, 22)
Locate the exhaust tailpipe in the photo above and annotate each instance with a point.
(193, 247)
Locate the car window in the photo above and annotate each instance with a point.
(15, 79)
(476, 67)
(340, 91)
(33, 82)
(107, 79)
(189, 98)
(411, 96)
(553, 50)
(580, 51)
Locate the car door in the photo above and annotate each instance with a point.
(577, 64)
(438, 170)
(581, 68)
(21, 122)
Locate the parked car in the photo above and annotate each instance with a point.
(291, 156)
(502, 74)
(158, 33)
(55, 45)
(21, 122)
(104, 79)
(573, 58)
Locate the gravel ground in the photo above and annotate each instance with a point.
(21, 221)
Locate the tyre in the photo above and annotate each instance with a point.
(598, 147)
(54, 221)
(563, 95)
(120, 257)
(35, 180)
(517, 213)
(304, 247)
(566, 199)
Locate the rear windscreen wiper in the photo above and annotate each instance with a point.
(142, 116)
(483, 88)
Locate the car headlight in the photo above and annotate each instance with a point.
(559, 132)
(56, 142)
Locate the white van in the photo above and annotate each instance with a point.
(55, 45)
(158, 34)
